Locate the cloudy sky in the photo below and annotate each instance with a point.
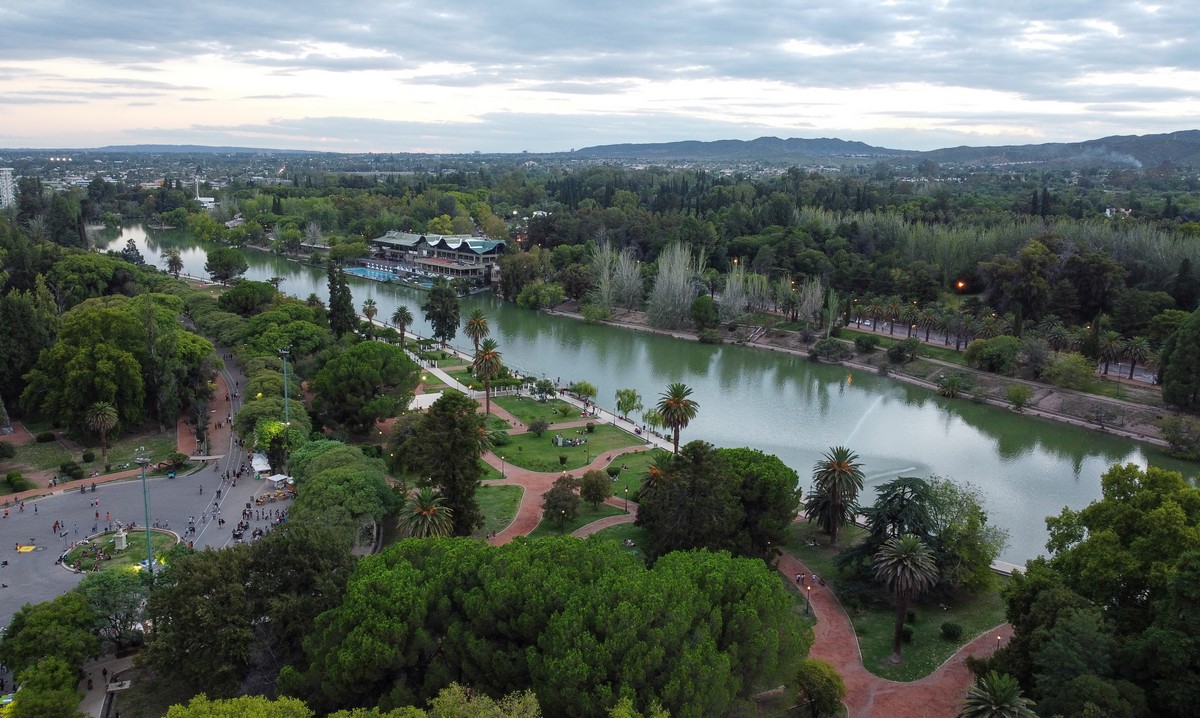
(512, 75)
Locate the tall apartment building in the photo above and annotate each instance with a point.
(8, 192)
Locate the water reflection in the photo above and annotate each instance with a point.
(1027, 468)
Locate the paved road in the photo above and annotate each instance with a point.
(33, 576)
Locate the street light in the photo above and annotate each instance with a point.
(142, 460)
(562, 521)
(503, 475)
(626, 499)
(808, 601)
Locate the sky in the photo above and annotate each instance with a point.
(538, 76)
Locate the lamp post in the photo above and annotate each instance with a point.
(562, 521)
(808, 601)
(503, 474)
(626, 499)
(143, 460)
(287, 418)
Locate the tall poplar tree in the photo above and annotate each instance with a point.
(342, 319)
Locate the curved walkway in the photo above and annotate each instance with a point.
(867, 695)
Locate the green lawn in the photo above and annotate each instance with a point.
(495, 423)
(133, 554)
(50, 455)
(585, 516)
(499, 506)
(874, 625)
(540, 454)
(622, 532)
(631, 476)
(527, 409)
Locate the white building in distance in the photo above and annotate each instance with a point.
(8, 193)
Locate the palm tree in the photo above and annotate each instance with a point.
(487, 365)
(906, 566)
(676, 409)
(174, 261)
(1110, 348)
(101, 418)
(1136, 350)
(424, 516)
(657, 471)
(892, 309)
(927, 319)
(370, 309)
(875, 311)
(996, 695)
(952, 385)
(992, 326)
(909, 313)
(403, 319)
(476, 327)
(833, 501)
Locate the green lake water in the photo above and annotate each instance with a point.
(1027, 468)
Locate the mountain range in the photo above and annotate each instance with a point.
(1178, 148)
(1181, 149)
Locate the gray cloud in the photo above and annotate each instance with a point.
(1037, 51)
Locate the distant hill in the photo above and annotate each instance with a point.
(763, 148)
(1180, 148)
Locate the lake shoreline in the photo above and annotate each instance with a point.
(1049, 415)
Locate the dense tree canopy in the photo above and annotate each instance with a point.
(1099, 628)
(368, 382)
(426, 610)
(129, 352)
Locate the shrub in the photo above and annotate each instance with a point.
(77, 474)
(500, 438)
(44, 437)
(951, 631)
(177, 459)
(18, 482)
(1019, 396)
(613, 471)
(538, 426)
(866, 343)
(998, 354)
(562, 459)
(1070, 371)
(710, 336)
(910, 617)
(1182, 434)
(904, 351)
(906, 633)
(591, 427)
(829, 348)
(67, 467)
(7, 450)
(89, 456)
(594, 314)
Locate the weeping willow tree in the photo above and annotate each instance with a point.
(675, 287)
